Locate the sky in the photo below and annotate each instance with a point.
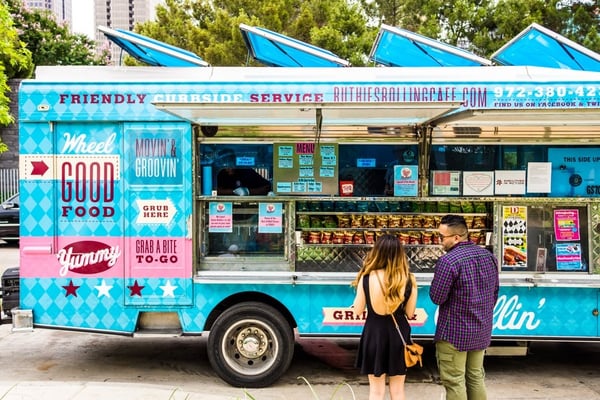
(83, 17)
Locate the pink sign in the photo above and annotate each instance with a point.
(566, 225)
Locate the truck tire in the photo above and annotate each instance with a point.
(250, 345)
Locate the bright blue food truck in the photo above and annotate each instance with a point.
(241, 201)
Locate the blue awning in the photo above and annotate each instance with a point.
(152, 51)
(396, 47)
(541, 47)
(277, 50)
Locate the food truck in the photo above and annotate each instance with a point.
(240, 202)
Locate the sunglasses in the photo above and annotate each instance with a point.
(442, 237)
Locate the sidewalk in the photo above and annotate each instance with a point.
(142, 391)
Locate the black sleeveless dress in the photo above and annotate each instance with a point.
(381, 350)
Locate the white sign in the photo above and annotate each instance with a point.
(155, 211)
(478, 183)
(509, 182)
(539, 177)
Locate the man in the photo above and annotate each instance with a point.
(465, 286)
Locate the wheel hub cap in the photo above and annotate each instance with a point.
(251, 342)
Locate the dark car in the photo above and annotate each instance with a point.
(9, 290)
(9, 219)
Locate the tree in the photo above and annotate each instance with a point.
(15, 62)
(483, 26)
(52, 43)
(211, 28)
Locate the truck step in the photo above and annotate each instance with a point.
(157, 333)
(514, 350)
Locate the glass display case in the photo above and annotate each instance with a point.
(336, 235)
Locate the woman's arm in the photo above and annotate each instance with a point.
(411, 304)
(360, 302)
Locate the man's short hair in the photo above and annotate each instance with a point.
(455, 222)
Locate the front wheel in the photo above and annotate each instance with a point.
(250, 345)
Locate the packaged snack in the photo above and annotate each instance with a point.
(314, 206)
(363, 206)
(414, 238)
(404, 237)
(417, 221)
(338, 237)
(315, 221)
(327, 206)
(348, 236)
(356, 221)
(381, 221)
(443, 207)
(303, 221)
(369, 237)
(358, 238)
(326, 237)
(314, 238)
(394, 206)
(428, 221)
(395, 221)
(430, 207)
(480, 207)
(454, 207)
(343, 221)
(469, 220)
(329, 222)
(467, 207)
(340, 206)
(368, 221)
(417, 206)
(427, 238)
(382, 206)
(301, 206)
(475, 237)
(479, 222)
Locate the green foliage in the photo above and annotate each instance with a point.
(211, 28)
(52, 43)
(483, 26)
(15, 62)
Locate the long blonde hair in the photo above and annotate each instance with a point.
(388, 254)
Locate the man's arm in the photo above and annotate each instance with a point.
(442, 282)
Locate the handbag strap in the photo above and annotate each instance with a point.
(392, 314)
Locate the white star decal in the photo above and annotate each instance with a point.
(103, 289)
(168, 289)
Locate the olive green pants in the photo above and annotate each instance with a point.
(461, 372)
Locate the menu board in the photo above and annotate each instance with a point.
(445, 183)
(307, 168)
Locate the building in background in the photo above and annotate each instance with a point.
(121, 14)
(60, 8)
(115, 14)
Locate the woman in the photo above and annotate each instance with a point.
(384, 286)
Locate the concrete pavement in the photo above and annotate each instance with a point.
(57, 365)
(145, 391)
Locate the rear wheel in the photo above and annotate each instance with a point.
(250, 345)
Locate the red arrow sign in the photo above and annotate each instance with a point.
(39, 168)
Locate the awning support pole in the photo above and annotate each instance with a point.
(318, 125)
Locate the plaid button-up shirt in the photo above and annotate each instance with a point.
(465, 286)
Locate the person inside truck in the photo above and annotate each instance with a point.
(238, 181)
